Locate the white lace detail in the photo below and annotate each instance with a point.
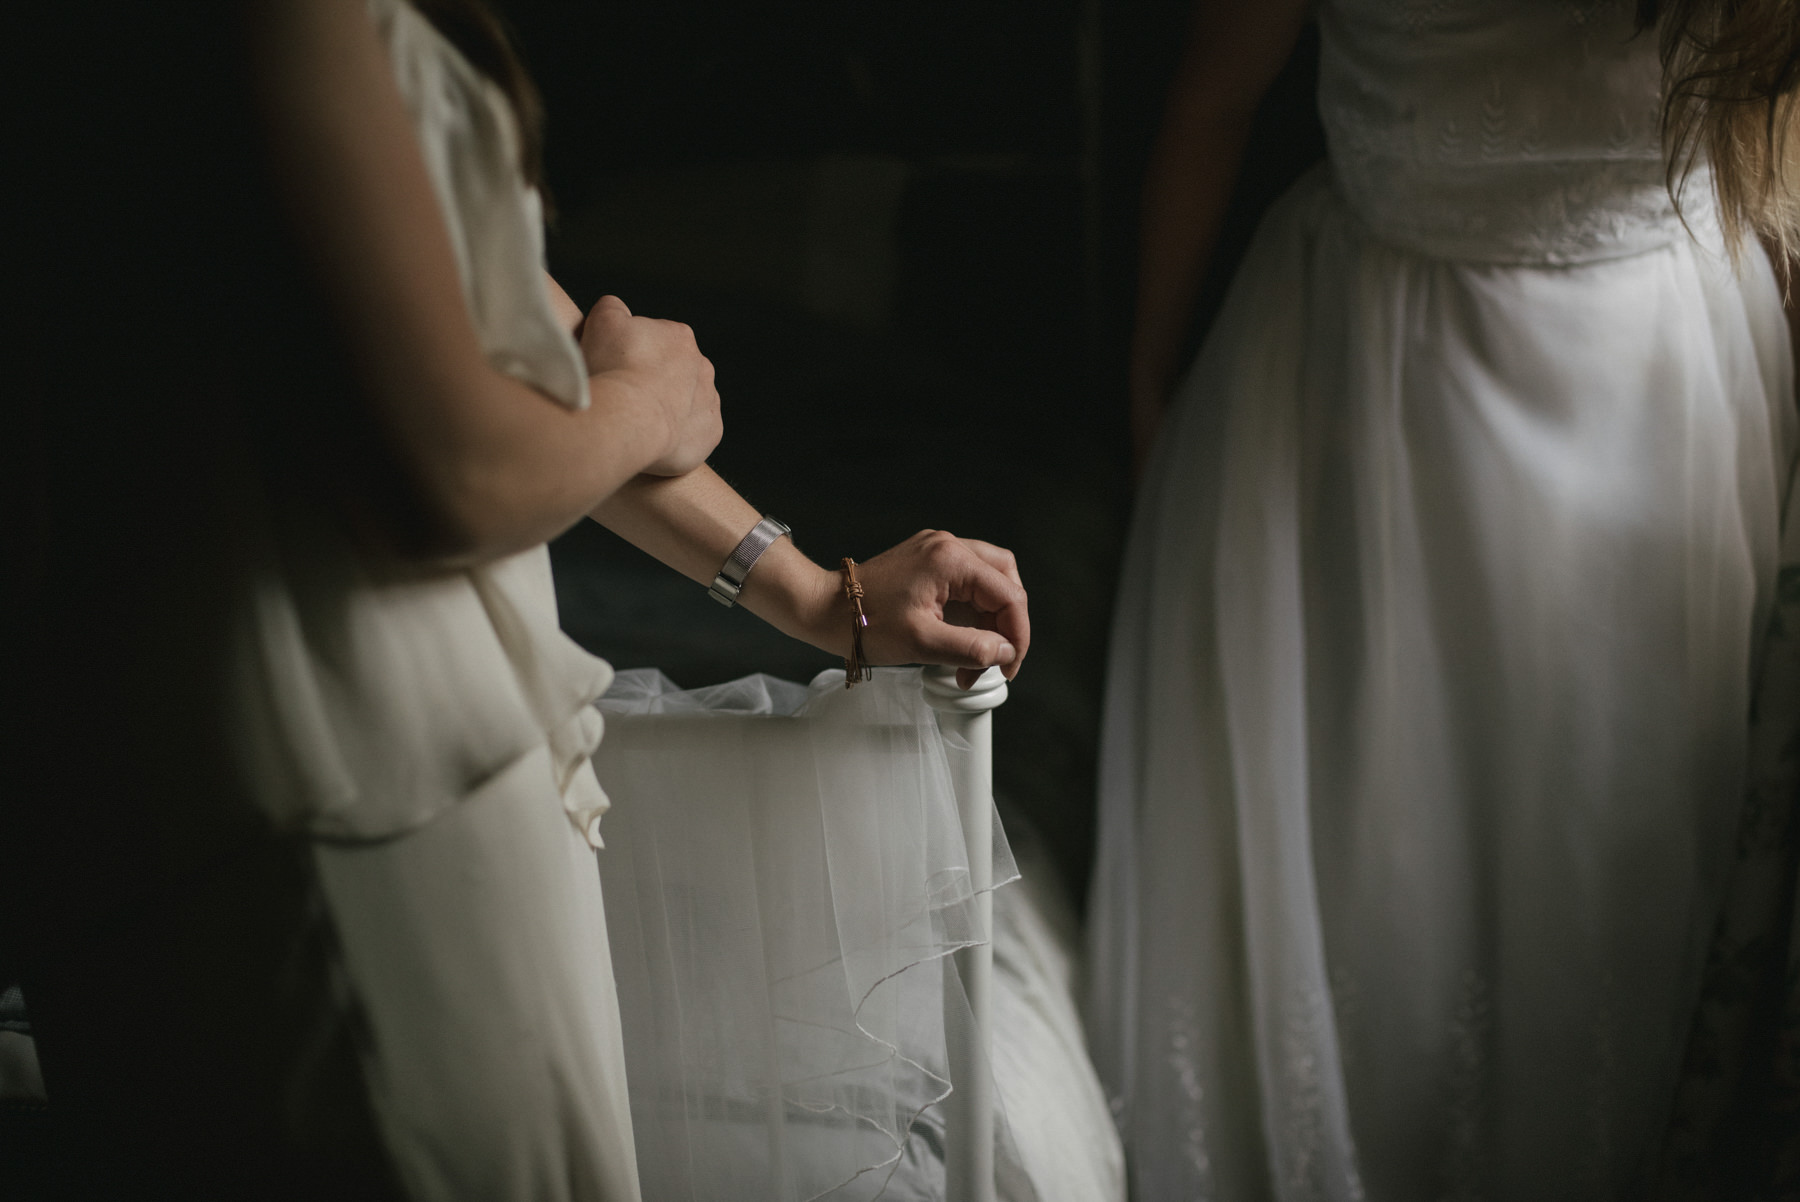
(1184, 1049)
(1304, 1167)
(1420, 15)
(1466, 1171)
(1549, 152)
(1347, 1006)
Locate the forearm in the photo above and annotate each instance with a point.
(494, 466)
(692, 522)
(1234, 52)
(500, 468)
(1186, 193)
(933, 599)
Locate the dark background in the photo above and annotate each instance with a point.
(904, 233)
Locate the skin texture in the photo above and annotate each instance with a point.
(496, 467)
(935, 598)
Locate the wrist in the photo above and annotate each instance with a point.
(798, 597)
(639, 416)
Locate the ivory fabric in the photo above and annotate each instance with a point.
(476, 948)
(1055, 1106)
(786, 875)
(786, 878)
(372, 697)
(1425, 725)
(433, 733)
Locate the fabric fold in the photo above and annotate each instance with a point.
(785, 879)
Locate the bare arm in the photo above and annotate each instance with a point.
(1234, 52)
(935, 598)
(497, 466)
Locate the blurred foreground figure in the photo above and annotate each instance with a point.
(297, 851)
(1450, 585)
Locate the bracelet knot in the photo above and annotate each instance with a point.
(856, 669)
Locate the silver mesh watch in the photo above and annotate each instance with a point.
(730, 580)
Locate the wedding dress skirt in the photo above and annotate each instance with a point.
(1426, 712)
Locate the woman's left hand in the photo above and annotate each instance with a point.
(935, 599)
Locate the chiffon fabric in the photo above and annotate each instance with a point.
(786, 875)
(373, 697)
(431, 733)
(1425, 728)
(1735, 1127)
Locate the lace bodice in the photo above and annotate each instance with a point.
(1522, 131)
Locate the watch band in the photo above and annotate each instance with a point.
(730, 580)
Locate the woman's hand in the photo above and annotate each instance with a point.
(660, 362)
(478, 465)
(934, 599)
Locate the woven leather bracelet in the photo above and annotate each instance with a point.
(856, 670)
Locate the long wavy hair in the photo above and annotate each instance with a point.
(1731, 75)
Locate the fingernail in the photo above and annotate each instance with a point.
(1007, 654)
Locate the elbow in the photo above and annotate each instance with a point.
(455, 513)
(477, 516)
(479, 475)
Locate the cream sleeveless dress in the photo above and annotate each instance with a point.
(432, 734)
(1425, 721)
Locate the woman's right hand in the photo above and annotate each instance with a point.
(660, 361)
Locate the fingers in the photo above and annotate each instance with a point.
(609, 308)
(984, 620)
(1014, 621)
(971, 575)
(996, 557)
(999, 595)
(966, 647)
(603, 334)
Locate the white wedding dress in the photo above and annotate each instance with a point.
(1426, 713)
